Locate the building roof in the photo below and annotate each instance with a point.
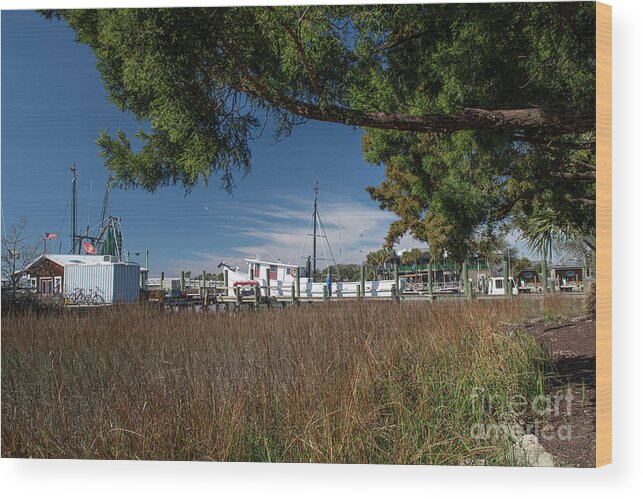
(65, 260)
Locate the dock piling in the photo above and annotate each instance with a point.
(505, 278)
(465, 278)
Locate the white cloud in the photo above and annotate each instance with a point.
(278, 232)
(352, 230)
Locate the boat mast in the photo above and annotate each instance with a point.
(315, 190)
(73, 209)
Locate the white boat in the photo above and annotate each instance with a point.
(283, 276)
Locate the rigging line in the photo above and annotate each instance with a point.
(326, 237)
(305, 241)
(89, 208)
(4, 225)
(63, 221)
(321, 224)
(353, 239)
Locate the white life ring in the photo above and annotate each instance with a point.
(293, 272)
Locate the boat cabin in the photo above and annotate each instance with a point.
(278, 272)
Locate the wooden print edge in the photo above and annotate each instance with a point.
(603, 234)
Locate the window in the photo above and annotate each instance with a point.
(273, 272)
(498, 283)
(58, 284)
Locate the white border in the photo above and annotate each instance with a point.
(51, 479)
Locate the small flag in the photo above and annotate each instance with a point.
(90, 249)
(51, 236)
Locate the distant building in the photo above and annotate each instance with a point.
(567, 277)
(116, 281)
(528, 278)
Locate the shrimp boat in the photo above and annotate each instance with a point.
(281, 277)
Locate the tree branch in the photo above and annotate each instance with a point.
(302, 52)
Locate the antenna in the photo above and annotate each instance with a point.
(73, 209)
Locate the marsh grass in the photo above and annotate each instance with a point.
(347, 382)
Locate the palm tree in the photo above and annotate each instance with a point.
(546, 227)
(412, 257)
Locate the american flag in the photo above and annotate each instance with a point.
(50, 235)
(90, 249)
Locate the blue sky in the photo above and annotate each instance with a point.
(53, 107)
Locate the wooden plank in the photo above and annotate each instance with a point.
(603, 234)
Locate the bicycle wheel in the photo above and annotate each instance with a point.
(98, 300)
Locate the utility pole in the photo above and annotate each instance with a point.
(73, 209)
(315, 191)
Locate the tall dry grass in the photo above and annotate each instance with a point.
(351, 382)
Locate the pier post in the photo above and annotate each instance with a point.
(465, 278)
(162, 279)
(298, 283)
(429, 280)
(396, 274)
(255, 295)
(544, 280)
(225, 281)
(505, 278)
(204, 281)
(583, 272)
(293, 299)
(359, 291)
(325, 292)
(182, 281)
(362, 279)
(267, 281)
(205, 300)
(252, 273)
(237, 292)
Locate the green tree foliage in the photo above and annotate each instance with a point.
(205, 79)
(412, 257)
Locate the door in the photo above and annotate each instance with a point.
(46, 285)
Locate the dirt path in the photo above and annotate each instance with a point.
(573, 350)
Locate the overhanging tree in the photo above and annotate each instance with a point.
(205, 78)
